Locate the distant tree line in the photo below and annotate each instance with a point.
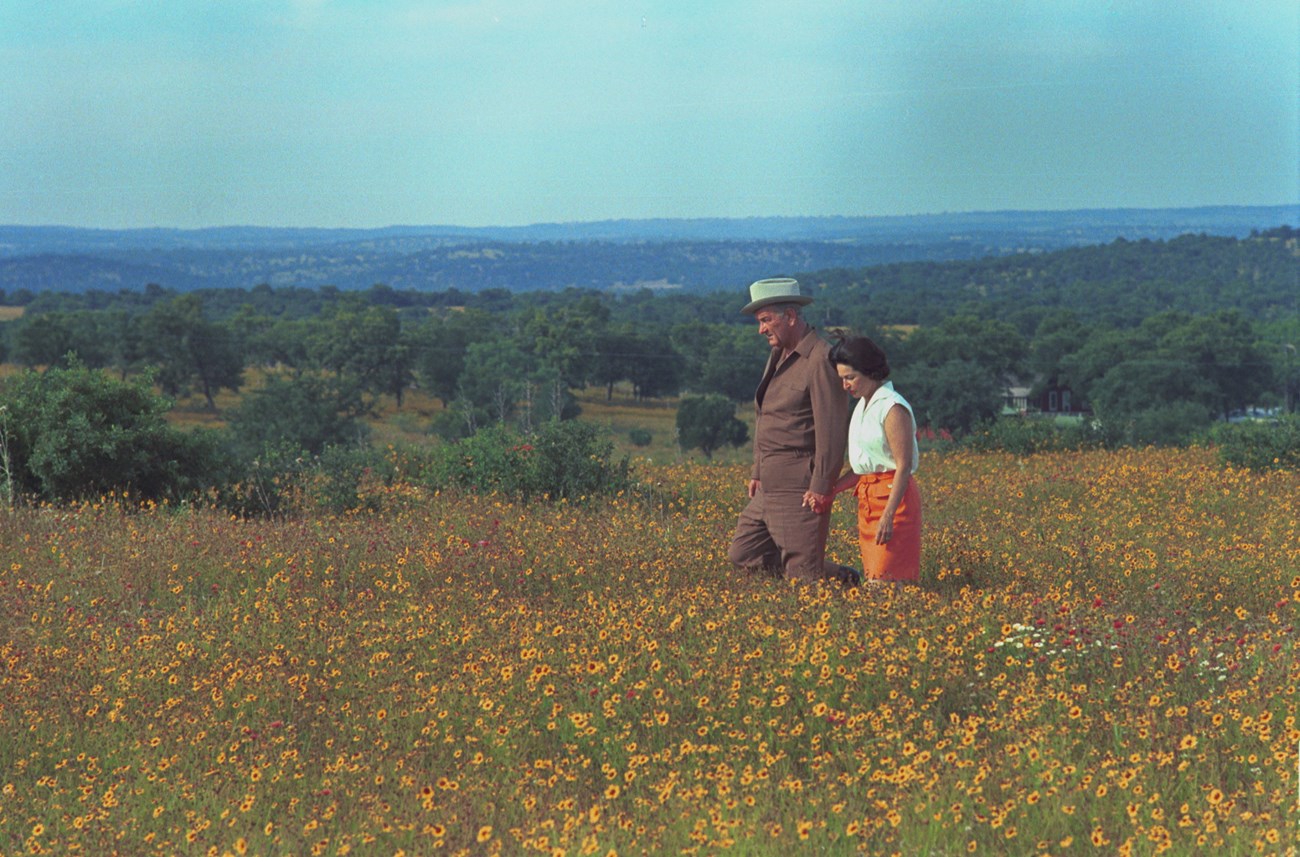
(1159, 338)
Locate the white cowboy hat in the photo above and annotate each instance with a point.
(779, 290)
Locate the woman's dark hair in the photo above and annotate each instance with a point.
(861, 355)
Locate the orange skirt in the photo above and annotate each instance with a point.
(900, 557)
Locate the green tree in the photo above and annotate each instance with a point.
(492, 384)
(647, 360)
(366, 345)
(957, 395)
(955, 372)
(1154, 400)
(1083, 368)
(994, 346)
(439, 347)
(380, 357)
(1221, 348)
(562, 337)
(726, 359)
(1280, 340)
(708, 423)
(613, 359)
(298, 415)
(1288, 373)
(99, 338)
(545, 398)
(123, 343)
(43, 340)
(75, 433)
(1057, 336)
(286, 343)
(655, 368)
(187, 348)
(254, 335)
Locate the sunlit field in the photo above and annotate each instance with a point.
(1101, 659)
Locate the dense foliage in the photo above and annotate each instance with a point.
(560, 461)
(1112, 285)
(73, 433)
(1260, 445)
(1151, 342)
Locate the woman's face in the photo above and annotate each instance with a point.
(858, 385)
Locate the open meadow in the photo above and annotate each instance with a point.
(1102, 659)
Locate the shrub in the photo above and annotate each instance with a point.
(1265, 445)
(449, 425)
(305, 414)
(491, 459)
(562, 459)
(930, 441)
(267, 483)
(640, 437)
(75, 433)
(341, 473)
(568, 459)
(1022, 436)
(282, 480)
(1173, 424)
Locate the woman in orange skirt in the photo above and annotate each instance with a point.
(883, 455)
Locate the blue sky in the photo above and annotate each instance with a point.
(362, 113)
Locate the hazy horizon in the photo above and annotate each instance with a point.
(1292, 208)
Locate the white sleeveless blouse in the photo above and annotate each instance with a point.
(868, 448)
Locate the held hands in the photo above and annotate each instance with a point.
(819, 503)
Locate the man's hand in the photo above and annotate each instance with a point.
(819, 503)
(753, 488)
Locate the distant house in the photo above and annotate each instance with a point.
(1016, 400)
(1040, 398)
(1059, 400)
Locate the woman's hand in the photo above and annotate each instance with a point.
(885, 530)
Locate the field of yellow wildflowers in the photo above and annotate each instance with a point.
(1102, 659)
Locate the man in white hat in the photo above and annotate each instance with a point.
(799, 443)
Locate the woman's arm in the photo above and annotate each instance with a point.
(823, 503)
(846, 482)
(899, 431)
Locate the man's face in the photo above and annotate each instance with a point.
(777, 326)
